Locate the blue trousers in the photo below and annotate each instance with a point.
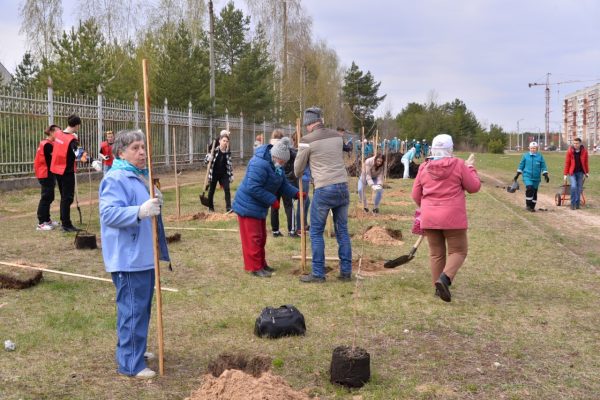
(134, 302)
(363, 196)
(337, 199)
(576, 187)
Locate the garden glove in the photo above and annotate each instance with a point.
(516, 176)
(150, 208)
(275, 205)
(565, 178)
(546, 178)
(158, 195)
(376, 187)
(97, 165)
(470, 162)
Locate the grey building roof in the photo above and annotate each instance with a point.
(4, 74)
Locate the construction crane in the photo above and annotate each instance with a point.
(547, 84)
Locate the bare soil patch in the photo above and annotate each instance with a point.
(253, 365)
(17, 278)
(398, 203)
(234, 384)
(386, 236)
(361, 214)
(202, 216)
(373, 268)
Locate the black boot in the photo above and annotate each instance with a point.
(443, 286)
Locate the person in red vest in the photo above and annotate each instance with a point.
(41, 167)
(66, 152)
(106, 153)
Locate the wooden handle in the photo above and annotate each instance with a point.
(159, 323)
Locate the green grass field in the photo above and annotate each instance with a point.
(523, 322)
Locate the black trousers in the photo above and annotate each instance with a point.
(224, 181)
(66, 187)
(46, 198)
(287, 206)
(530, 196)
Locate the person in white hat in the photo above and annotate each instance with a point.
(439, 190)
(532, 166)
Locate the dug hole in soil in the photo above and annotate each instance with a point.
(240, 377)
(18, 278)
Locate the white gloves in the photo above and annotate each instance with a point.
(97, 165)
(150, 208)
(470, 162)
(565, 178)
(376, 187)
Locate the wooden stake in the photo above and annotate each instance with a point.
(376, 142)
(176, 178)
(301, 202)
(362, 166)
(159, 323)
(53, 271)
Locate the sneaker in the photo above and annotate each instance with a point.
(149, 356)
(376, 211)
(293, 234)
(70, 229)
(277, 234)
(572, 206)
(312, 279)
(344, 277)
(146, 373)
(44, 226)
(268, 269)
(366, 209)
(53, 223)
(261, 273)
(443, 286)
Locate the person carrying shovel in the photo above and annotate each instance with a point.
(439, 190)
(220, 171)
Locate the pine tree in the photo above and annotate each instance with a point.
(360, 93)
(26, 74)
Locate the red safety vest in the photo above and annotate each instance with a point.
(62, 142)
(39, 163)
(106, 149)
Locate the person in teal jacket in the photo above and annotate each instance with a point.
(532, 166)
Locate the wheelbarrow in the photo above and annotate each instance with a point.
(563, 196)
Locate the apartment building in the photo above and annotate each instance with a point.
(581, 116)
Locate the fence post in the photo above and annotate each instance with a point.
(254, 133)
(136, 107)
(242, 136)
(290, 129)
(190, 132)
(264, 130)
(227, 119)
(100, 118)
(166, 115)
(50, 102)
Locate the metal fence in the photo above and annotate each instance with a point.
(24, 116)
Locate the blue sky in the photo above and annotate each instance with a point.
(483, 52)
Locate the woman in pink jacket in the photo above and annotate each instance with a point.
(439, 190)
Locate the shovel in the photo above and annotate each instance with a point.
(203, 198)
(77, 201)
(405, 258)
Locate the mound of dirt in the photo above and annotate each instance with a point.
(18, 278)
(360, 214)
(201, 216)
(385, 236)
(234, 384)
(254, 366)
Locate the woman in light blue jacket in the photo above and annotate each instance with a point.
(127, 248)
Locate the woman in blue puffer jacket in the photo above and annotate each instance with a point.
(532, 166)
(261, 188)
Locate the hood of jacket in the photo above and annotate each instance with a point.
(440, 169)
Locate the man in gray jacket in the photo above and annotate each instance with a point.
(322, 150)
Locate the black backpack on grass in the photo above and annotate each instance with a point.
(277, 322)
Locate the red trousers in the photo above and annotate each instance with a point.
(253, 233)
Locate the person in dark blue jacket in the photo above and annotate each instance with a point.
(264, 183)
(532, 166)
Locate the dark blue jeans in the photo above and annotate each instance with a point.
(337, 199)
(134, 302)
(576, 187)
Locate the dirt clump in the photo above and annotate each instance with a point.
(253, 365)
(176, 237)
(234, 384)
(18, 278)
(373, 268)
(381, 235)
